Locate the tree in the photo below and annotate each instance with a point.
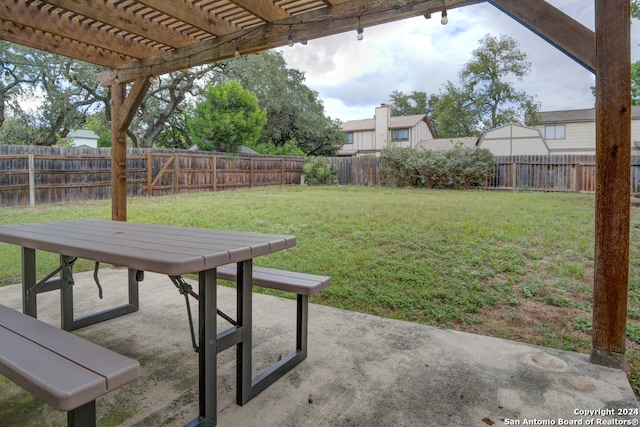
(18, 130)
(488, 77)
(228, 117)
(161, 119)
(455, 113)
(16, 79)
(416, 102)
(294, 111)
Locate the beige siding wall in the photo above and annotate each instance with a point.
(362, 140)
(580, 138)
(418, 133)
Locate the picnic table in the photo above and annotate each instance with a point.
(169, 250)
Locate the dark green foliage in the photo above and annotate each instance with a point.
(319, 171)
(228, 117)
(460, 167)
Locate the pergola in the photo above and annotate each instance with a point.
(140, 39)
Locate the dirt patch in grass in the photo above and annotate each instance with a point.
(533, 322)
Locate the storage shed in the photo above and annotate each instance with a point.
(514, 140)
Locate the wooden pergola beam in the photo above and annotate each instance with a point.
(320, 23)
(565, 33)
(125, 19)
(32, 15)
(28, 36)
(185, 11)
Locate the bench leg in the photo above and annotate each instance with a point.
(29, 280)
(82, 416)
(278, 369)
(69, 323)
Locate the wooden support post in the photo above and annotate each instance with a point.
(613, 163)
(118, 155)
(123, 108)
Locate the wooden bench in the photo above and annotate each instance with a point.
(300, 284)
(62, 369)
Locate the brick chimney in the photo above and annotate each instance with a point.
(382, 120)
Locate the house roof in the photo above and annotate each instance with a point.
(83, 133)
(443, 144)
(573, 116)
(394, 123)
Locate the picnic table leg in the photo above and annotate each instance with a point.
(29, 306)
(244, 319)
(207, 350)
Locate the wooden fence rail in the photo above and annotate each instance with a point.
(572, 173)
(32, 175)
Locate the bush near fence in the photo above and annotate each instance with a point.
(567, 173)
(32, 175)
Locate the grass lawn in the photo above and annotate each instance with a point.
(516, 265)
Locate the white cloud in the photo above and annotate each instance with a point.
(353, 77)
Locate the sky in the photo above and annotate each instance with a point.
(353, 77)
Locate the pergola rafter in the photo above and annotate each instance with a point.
(137, 39)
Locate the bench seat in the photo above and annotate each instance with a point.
(288, 281)
(63, 370)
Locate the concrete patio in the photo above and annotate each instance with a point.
(362, 370)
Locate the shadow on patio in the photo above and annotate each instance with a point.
(361, 370)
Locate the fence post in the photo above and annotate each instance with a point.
(32, 180)
(514, 180)
(176, 174)
(149, 173)
(251, 173)
(282, 171)
(213, 172)
(578, 177)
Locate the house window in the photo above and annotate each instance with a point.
(400, 135)
(349, 138)
(554, 132)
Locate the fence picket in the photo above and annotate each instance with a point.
(65, 174)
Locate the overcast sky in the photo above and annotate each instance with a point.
(353, 77)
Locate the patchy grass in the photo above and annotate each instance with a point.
(515, 265)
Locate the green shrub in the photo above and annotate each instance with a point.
(460, 167)
(319, 171)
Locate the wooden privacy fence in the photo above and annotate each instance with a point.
(573, 173)
(31, 175)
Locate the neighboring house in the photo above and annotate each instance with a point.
(514, 140)
(371, 136)
(574, 131)
(444, 144)
(83, 138)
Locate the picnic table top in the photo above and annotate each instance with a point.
(149, 247)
